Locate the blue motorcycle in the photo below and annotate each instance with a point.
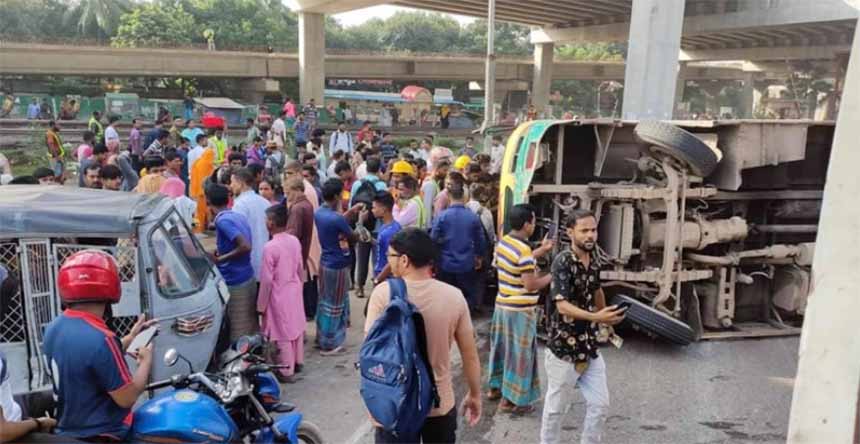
(235, 404)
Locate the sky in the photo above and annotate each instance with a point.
(360, 16)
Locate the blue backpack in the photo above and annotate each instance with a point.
(397, 382)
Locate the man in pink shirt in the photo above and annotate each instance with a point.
(280, 299)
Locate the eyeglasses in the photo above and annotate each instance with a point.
(393, 254)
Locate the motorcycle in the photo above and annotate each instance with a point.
(233, 405)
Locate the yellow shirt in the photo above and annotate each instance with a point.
(513, 258)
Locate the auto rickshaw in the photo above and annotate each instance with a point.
(164, 271)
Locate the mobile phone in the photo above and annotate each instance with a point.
(623, 305)
(552, 231)
(143, 339)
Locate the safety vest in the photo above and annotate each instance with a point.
(59, 144)
(99, 129)
(423, 215)
(220, 150)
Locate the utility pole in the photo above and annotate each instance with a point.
(490, 72)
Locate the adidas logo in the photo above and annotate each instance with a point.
(378, 371)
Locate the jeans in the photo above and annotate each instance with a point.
(592, 384)
(465, 282)
(438, 429)
(57, 167)
(362, 262)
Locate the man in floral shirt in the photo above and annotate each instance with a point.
(573, 358)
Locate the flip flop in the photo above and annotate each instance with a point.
(333, 352)
(494, 395)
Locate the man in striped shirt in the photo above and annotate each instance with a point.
(513, 349)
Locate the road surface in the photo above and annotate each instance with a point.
(709, 392)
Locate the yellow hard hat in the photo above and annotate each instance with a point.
(462, 161)
(403, 167)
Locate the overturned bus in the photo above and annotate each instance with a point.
(706, 227)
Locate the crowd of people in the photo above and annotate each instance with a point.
(300, 223)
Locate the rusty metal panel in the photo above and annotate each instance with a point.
(751, 145)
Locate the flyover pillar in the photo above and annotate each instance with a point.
(824, 407)
(652, 59)
(542, 79)
(311, 57)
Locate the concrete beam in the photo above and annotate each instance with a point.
(118, 62)
(334, 6)
(312, 57)
(754, 14)
(764, 53)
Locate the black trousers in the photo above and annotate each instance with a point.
(362, 265)
(310, 297)
(438, 429)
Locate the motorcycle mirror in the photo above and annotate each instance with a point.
(171, 356)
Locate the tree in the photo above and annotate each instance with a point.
(592, 51)
(155, 25)
(99, 16)
(510, 39)
(252, 24)
(33, 19)
(364, 37)
(420, 32)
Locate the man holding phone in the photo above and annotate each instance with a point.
(573, 358)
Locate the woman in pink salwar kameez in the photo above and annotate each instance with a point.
(280, 299)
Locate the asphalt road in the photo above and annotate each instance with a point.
(709, 392)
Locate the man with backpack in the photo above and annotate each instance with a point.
(446, 319)
(364, 191)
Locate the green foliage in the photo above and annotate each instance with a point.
(33, 19)
(244, 23)
(426, 32)
(592, 51)
(510, 39)
(155, 25)
(100, 17)
(420, 32)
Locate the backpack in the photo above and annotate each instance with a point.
(365, 193)
(397, 382)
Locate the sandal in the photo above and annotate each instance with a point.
(333, 352)
(494, 395)
(509, 407)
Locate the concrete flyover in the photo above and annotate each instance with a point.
(16, 59)
(662, 35)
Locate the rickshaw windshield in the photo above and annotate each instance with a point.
(181, 263)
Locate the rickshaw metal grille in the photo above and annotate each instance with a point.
(12, 327)
(37, 281)
(126, 259)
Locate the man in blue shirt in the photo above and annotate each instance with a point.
(363, 248)
(33, 110)
(302, 128)
(335, 235)
(233, 258)
(383, 206)
(94, 387)
(461, 240)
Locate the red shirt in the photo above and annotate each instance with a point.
(364, 134)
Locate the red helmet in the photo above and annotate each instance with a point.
(89, 276)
